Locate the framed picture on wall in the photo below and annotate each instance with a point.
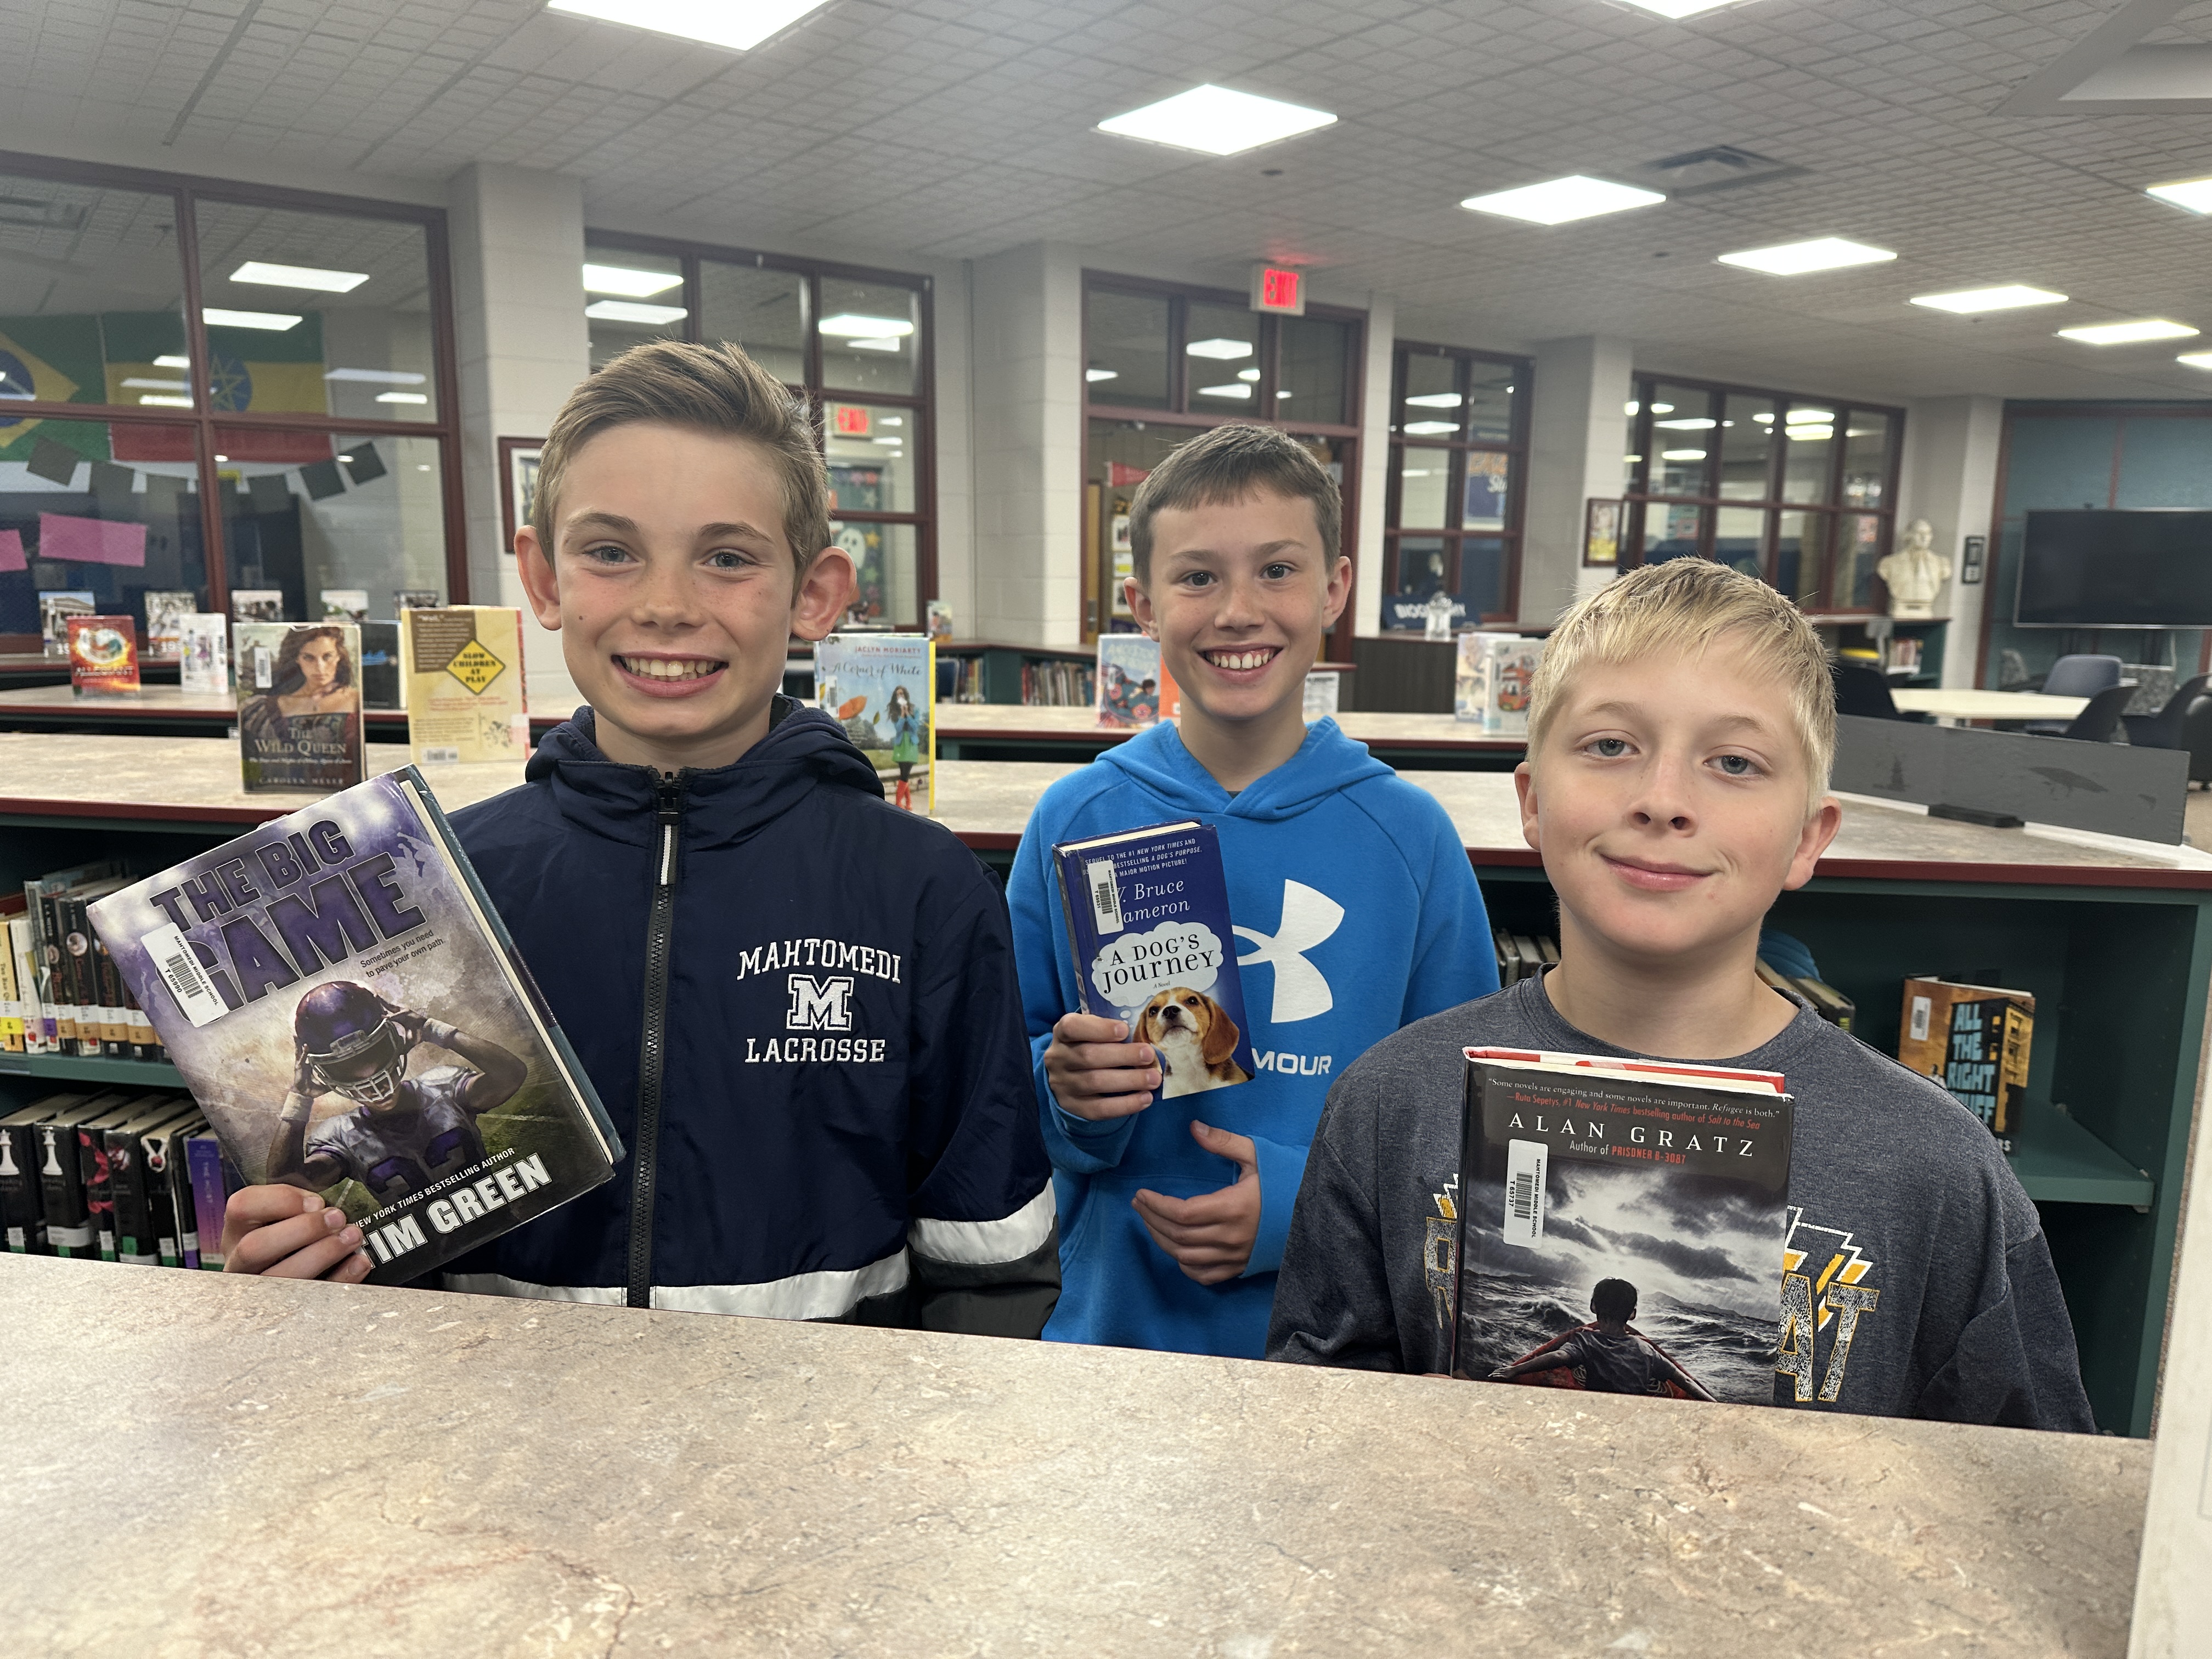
(1970, 566)
(518, 483)
(1602, 523)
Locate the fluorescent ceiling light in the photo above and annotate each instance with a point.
(136, 384)
(375, 376)
(851, 322)
(1224, 350)
(1764, 418)
(1796, 258)
(402, 398)
(1558, 201)
(1428, 429)
(172, 362)
(890, 420)
(1281, 392)
(1688, 423)
(1248, 374)
(1968, 300)
(1811, 434)
(1095, 375)
(275, 321)
(1632, 408)
(629, 284)
(891, 343)
(1234, 389)
(740, 25)
(326, 282)
(632, 311)
(2195, 194)
(157, 398)
(1216, 121)
(1679, 9)
(1810, 416)
(2196, 359)
(2148, 328)
(1682, 455)
(1448, 400)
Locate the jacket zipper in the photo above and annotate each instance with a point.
(653, 1053)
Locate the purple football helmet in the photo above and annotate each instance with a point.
(355, 1047)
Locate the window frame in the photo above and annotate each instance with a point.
(1638, 496)
(817, 395)
(186, 191)
(1514, 448)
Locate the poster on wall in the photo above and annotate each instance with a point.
(518, 483)
(1602, 523)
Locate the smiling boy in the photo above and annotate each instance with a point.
(1349, 888)
(1681, 730)
(798, 1003)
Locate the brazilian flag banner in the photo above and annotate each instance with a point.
(55, 360)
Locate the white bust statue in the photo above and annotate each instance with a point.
(1914, 573)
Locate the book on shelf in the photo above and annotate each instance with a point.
(938, 619)
(56, 606)
(344, 604)
(1580, 1173)
(461, 668)
(404, 600)
(12, 1013)
(353, 1018)
(105, 1148)
(203, 652)
(55, 1013)
(1324, 690)
(299, 705)
(1975, 1040)
(22, 1206)
(382, 685)
(1054, 682)
(212, 1178)
(882, 688)
(1491, 684)
(264, 604)
(1147, 913)
(1131, 686)
(103, 653)
(166, 611)
(71, 1231)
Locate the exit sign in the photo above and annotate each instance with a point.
(1279, 290)
(848, 419)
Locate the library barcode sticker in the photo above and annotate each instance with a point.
(1525, 1161)
(1105, 895)
(1922, 1009)
(180, 970)
(441, 754)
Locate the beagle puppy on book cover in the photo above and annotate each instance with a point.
(1196, 1039)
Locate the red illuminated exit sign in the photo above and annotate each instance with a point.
(848, 420)
(1279, 290)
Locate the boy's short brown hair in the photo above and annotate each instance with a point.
(1226, 464)
(1686, 605)
(713, 388)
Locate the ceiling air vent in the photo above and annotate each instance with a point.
(1721, 166)
(40, 216)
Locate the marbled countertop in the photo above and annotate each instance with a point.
(197, 1464)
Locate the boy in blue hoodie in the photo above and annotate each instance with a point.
(1350, 886)
(797, 1002)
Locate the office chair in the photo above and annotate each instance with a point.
(2074, 677)
(2163, 729)
(1861, 690)
(2097, 723)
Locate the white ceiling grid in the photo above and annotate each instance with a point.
(953, 129)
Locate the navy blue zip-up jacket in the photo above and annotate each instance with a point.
(822, 986)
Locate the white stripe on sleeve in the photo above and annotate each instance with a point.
(802, 1296)
(983, 1243)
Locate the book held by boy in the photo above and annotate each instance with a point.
(299, 705)
(883, 689)
(1131, 686)
(353, 1018)
(1148, 921)
(1975, 1040)
(1619, 1226)
(461, 684)
(103, 652)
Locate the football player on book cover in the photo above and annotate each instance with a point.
(403, 1132)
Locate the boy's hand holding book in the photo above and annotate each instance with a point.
(1095, 1072)
(287, 1233)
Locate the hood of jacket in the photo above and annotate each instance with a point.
(1326, 763)
(804, 749)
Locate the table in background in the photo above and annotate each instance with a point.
(199, 1462)
(1012, 731)
(1950, 705)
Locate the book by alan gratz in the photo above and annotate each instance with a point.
(353, 1018)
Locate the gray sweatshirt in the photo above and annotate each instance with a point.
(1909, 1238)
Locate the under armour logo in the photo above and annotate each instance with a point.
(820, 1004)
(1309, 918)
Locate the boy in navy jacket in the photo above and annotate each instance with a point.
(798, 1003)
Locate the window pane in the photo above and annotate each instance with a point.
(1423, 475)
(1481, 579)
(1484, 506)
(630, 298)
(1683, 428)
(1740, 539)
(883, 554)
(1670, 530)
(871, 335)
(91, 296)
(759, 310)
(1422, 576)
(1810, 457)
(1128, 340)
(1491, 390)
(1310, 370)
(1866, 458)
(1747, 443)
(1223, 348)
(303, 511)
(106, 514)
(326, 315)
(1434, 405)
(1801, 555)
(873, 457)
(1858, 549)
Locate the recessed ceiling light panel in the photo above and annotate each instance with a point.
(370, 376)
(1680, 8)
(1216, 121)
(1223, 351)
(327, 282)
(1095, 375)
(275, 321)
(1560, 200)
(740, 25)
(1234, 389)
(634, 311)
(2195, 194)
(1435, 400)
(1430, 429)
(1797, 258)
(1971, 301)
(2148, 328)
(2196, 359)
(852, 326)
(629, 284)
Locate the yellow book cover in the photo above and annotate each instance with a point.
(462, 666)
(1974, 1040)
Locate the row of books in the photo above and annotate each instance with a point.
(119, 1176)
(60, 991)
(1050, 685)
(165, 609)
(1523, 956)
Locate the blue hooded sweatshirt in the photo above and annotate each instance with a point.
(1354, 896)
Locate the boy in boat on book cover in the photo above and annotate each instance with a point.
(1681, 725)
(1349, 887)
(1606, 1355)
(798, 1003)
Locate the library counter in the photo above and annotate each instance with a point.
(1003, 732)
(170, 711)
(202, 1463)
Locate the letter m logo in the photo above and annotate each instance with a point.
(824, 1005)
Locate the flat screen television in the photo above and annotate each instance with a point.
(2113, 569)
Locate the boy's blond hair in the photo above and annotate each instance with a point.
(711, 388)
(1686, 606)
